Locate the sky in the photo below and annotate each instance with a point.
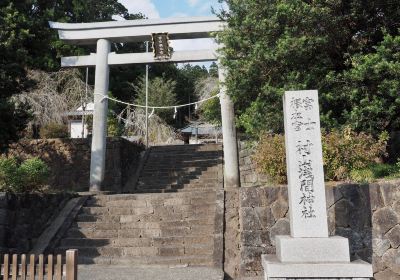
(176, 8)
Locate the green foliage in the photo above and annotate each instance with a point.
(346, 150)
(14, 33)
(374, 171)
(210, 111)
(54, 130)
(161, 93)
(186, 78)
(345, 153)
(114, 128)
(34, 173)
(29, 176)
(13, 120)
(337, 47)
(271, 158)
(362, 175)
(8, 173)
(371, 87)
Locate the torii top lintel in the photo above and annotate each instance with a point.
(138, 30)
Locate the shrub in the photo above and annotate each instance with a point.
(346, 150)
(271, 158)
(343, 152)
(8, 173)
(54, 130)
(374, 171)
(362, 175)
(31, 175)
(34, 173)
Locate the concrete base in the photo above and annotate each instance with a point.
(312, 250)
(277, 270)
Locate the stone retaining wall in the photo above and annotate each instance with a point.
(369, 215)
(23, 217)
(69, 160)
(249, 177)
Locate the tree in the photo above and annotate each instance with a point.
(27, 42)
(298, 44)
(185, 78)
(53, 95)
(161, 93)
(372, 87)
(14, 33)
(210, 110)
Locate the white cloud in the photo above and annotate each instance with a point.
(145, 7)
(193, 2)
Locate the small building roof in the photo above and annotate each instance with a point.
(202, 129)
(80, 112)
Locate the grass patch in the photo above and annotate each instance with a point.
(375, 171)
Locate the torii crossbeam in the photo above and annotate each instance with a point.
(103, 33)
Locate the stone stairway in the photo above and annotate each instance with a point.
(182, 168)
(174, 219)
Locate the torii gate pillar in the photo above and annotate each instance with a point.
(99, 133)
(231, 158)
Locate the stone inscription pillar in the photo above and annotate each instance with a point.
(231, 158)
(309, 252)
(99, 133)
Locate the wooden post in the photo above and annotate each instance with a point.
(14, 272)
(41, 264)
(50, 267)
(32, 267)
(72, 265)
(59, 268)
(23, 267)
(6, 269)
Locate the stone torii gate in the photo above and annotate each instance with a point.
(103, 33)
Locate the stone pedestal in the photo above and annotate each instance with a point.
(274, 269)
(312, 250)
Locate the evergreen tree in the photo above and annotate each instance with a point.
(277, 45)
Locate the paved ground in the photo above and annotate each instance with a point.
(103, 272)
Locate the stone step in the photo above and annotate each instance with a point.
(195, 215)
(162, 210)
(177, 175)
(178, 185)
(199, 260)
(91, 232)
(180, 189)
(194, 148)
(144, 196)
(202, 150)
(204, 199)
(168, 251)
(210, 170)
(192, 159)
(128, 223)
(137, 219)
(179, 166)
(203, 180)
(176, 188)
(206, 240)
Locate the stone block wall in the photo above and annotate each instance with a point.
(369, 215)
(23, 217)
(249, 177)
(69, 161)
